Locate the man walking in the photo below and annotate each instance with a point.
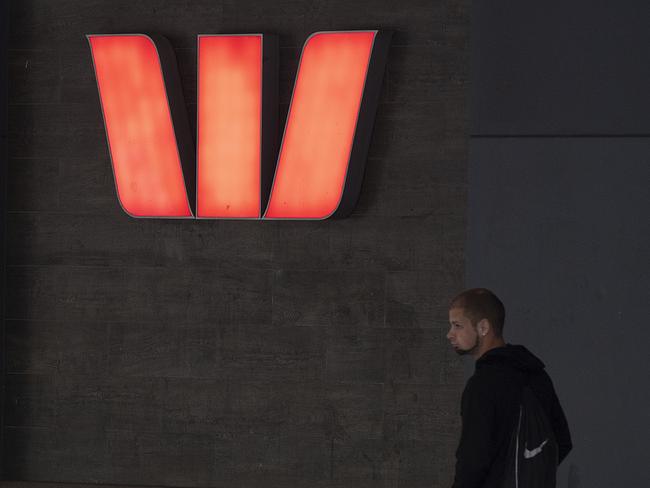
(491, 405)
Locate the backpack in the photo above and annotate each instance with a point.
(532, 456)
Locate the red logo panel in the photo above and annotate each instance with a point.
(139, 128)
(229, 126)
(323, 151)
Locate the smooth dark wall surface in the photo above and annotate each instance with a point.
(558, 224)
(560, 68)
(4, 25)
(233, 353)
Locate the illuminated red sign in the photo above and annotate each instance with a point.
(229, 139)
(233, 173)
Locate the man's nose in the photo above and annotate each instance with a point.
(449, 334)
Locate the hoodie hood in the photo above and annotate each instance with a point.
(513, 356)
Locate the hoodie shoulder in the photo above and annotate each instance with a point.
(512, 356)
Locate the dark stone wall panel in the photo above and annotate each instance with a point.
(105, 240)
(334, 297)
(4, 173)
(44, 347)
(571, 68)
(34, 184)
(35, 76)
(65, 130)
(41, 454)
(559, 229)
(233, 354)
(136, 294)
(86, 185)
(407, 133)
(65, 23)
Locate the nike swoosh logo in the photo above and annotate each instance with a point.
(529, 454)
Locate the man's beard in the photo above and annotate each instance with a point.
(471, 350)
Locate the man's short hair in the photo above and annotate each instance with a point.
(481, 303)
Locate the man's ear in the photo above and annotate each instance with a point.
(483, 327)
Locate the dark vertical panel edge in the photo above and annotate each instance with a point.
(4, 154)
(179, 115)
(270, 87)
(365, 124)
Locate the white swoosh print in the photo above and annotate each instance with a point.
(529, 454)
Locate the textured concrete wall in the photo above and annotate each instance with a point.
(4, 32)
(233, 353)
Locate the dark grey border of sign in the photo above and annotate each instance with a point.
(270, 115)
(365, 124)
(180, 118)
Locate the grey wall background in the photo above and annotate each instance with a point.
(558, 211)
(226, 353)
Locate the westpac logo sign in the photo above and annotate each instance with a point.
(236, 170)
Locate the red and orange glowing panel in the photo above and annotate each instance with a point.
(229, 126)
(322, 156)
(321, 124)
(139, 128)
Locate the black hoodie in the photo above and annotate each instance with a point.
(489, 410)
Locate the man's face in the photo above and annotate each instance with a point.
(462, 335)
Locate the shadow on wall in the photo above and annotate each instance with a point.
(574, 477)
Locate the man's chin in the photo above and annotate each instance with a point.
(463, 352)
